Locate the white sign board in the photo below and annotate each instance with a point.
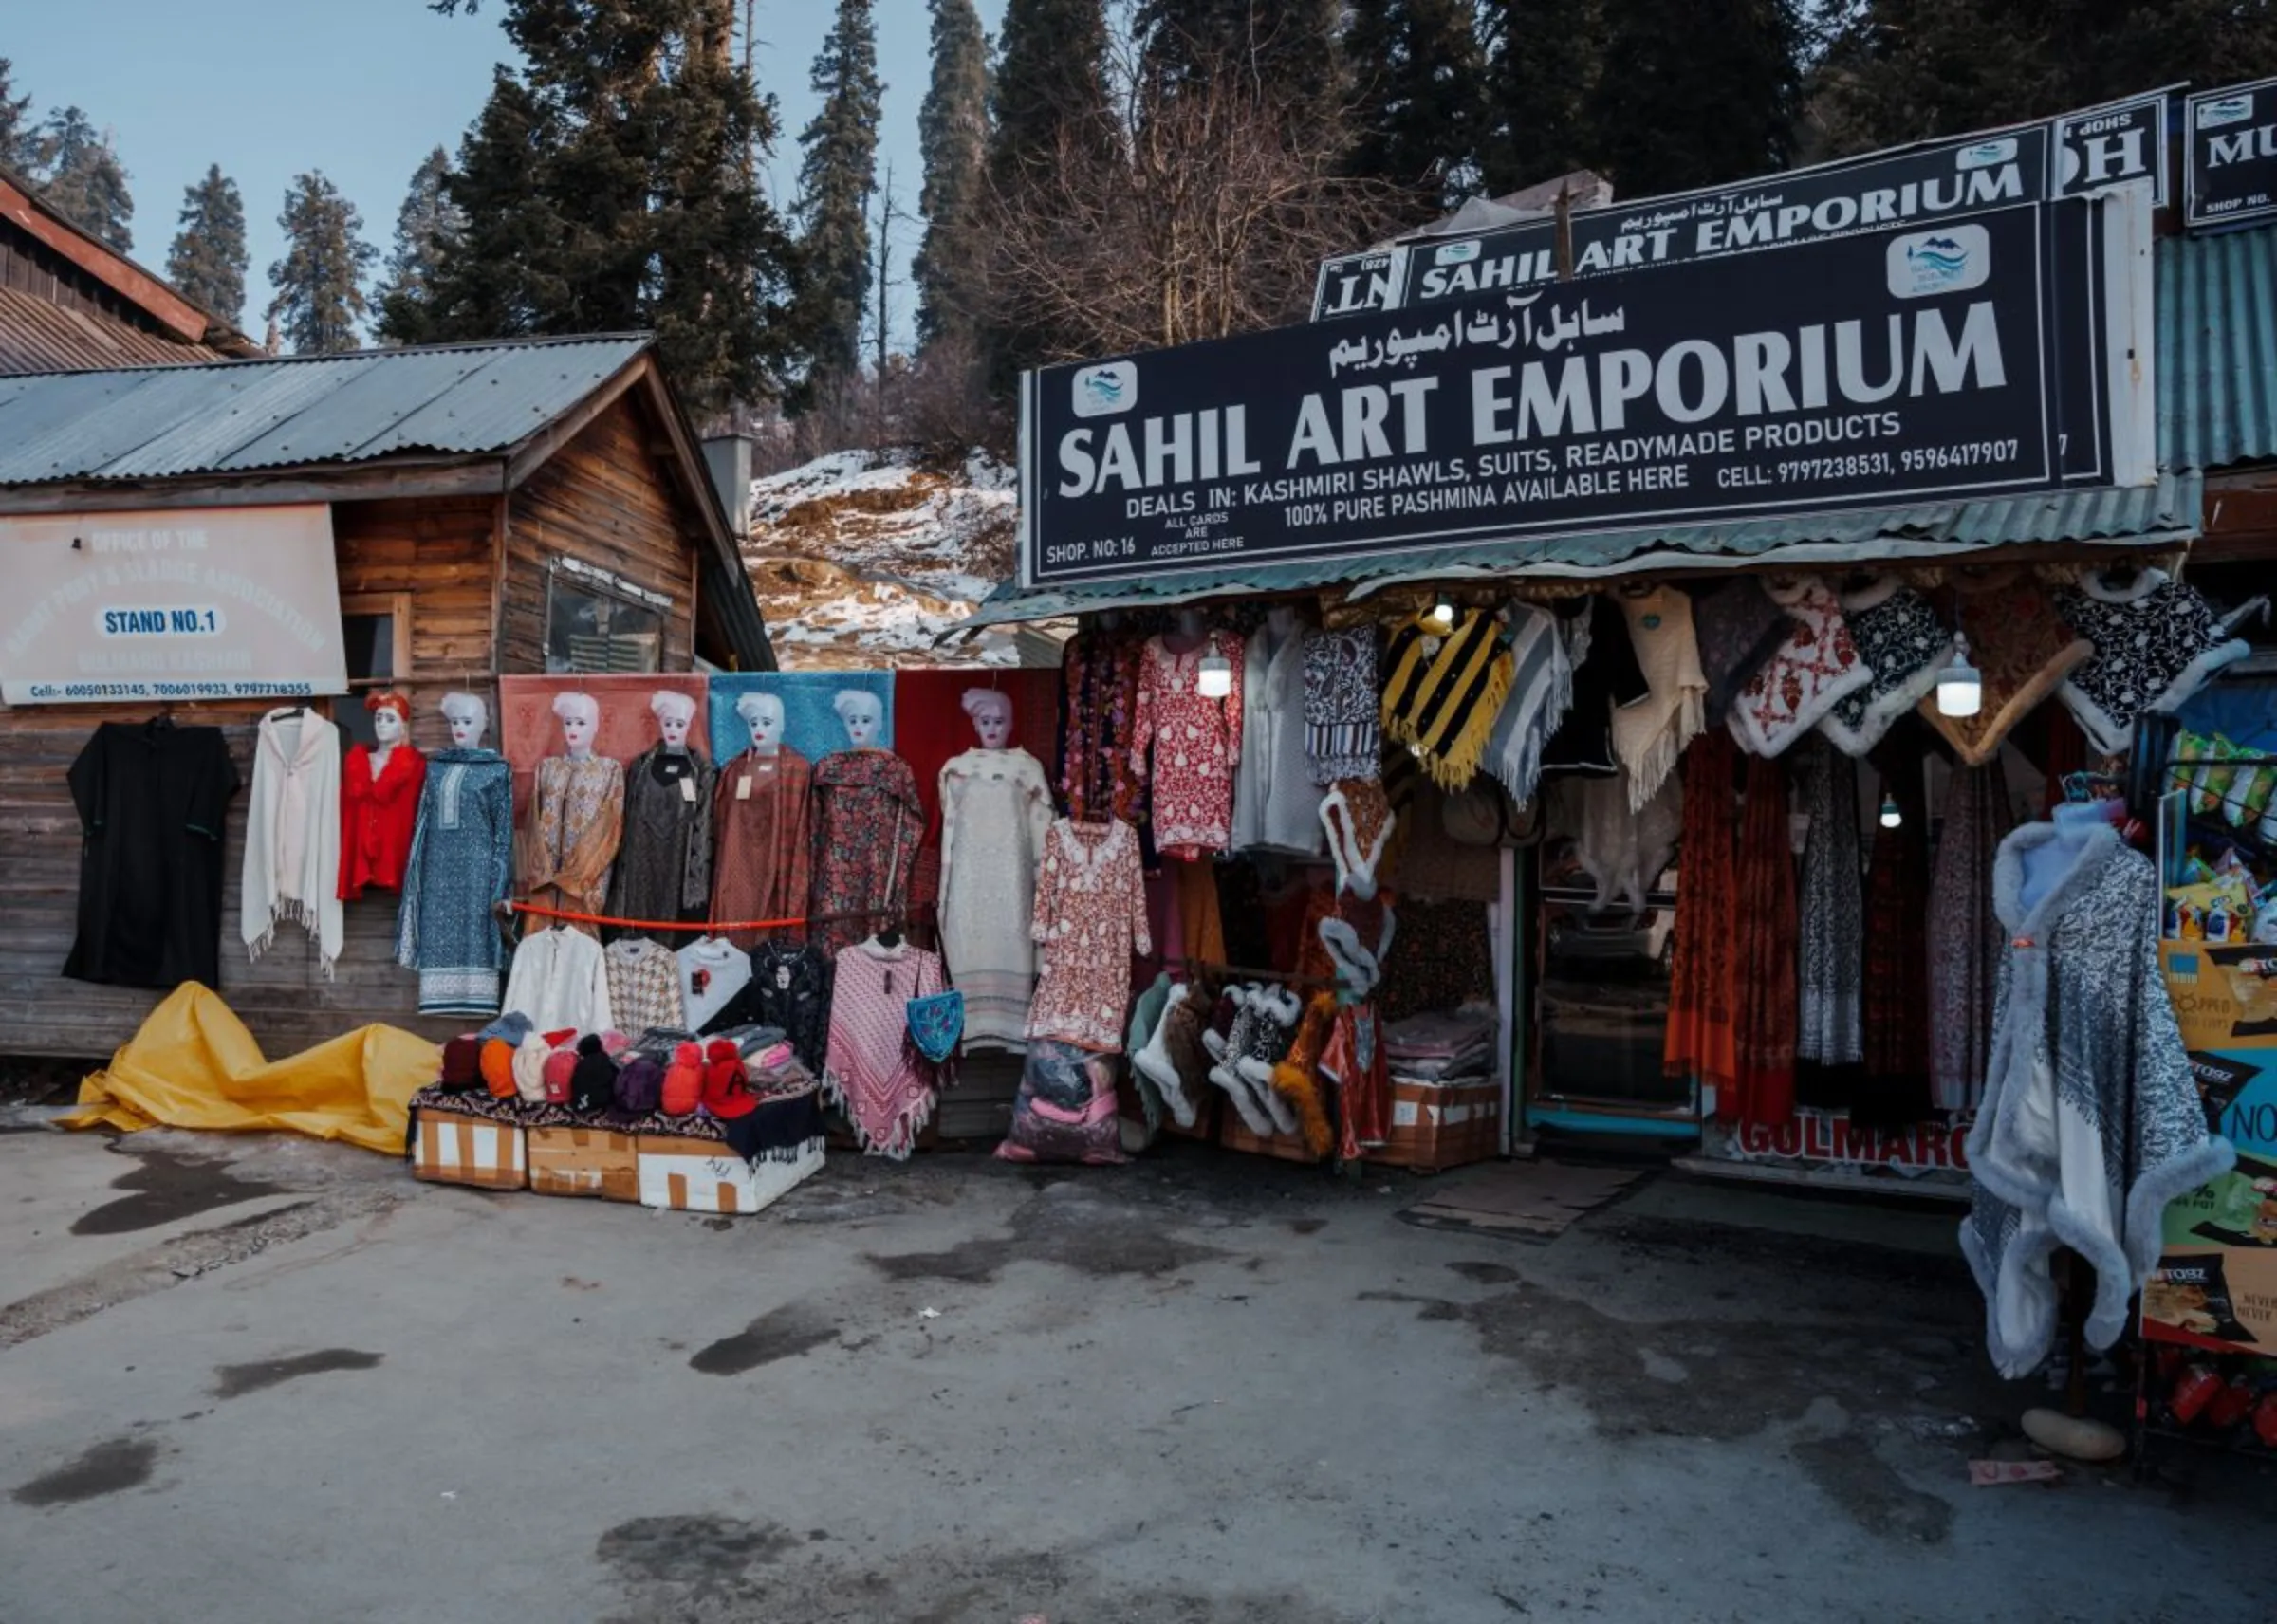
(181, 604)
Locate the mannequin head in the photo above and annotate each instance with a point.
(580, 715)
(391, 718)
(674, 713)
(863, 713)
(992, 713)
(763, 714)
(470, 717)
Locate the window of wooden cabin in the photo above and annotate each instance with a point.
(591, 629)
(374, 630)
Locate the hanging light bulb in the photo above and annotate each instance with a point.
(1890, 817)
(1960, 686)
(1442, 613)
(1214, 678)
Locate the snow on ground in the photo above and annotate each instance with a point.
(865, 558)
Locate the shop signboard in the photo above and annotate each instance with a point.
(2230, 160)
(175, 604)
(1979, 357)
(1352, 284)
(1818, 1142)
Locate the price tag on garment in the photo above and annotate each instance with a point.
(743, 787)
(688, 789)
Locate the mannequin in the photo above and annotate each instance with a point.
(863, 715)
(867, 825)
(577, 817)
(995, 814)
(763, 714)
(760, 827)
(380, 801)
(458, 869)
(2045, 863)
(663, 869)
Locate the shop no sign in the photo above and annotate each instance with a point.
(1974, 358)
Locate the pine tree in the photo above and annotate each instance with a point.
(1695, 92)
(952, 137)
(1050, 102)
(426, 221)
(319, 281)
(1540, 69)
(81, 179)
(611, 184)
(1420, 96)
(208, 260)
(19, 148)
(1285, 50)
(837, 179)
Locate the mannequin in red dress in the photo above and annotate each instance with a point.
(379, 799)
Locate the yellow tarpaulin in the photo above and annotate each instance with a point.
(194, 1065)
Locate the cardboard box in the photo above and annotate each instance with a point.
(704, 1176)
(1443, 1125)
(600, 1162)
(453, 1148)
(1234, 1134)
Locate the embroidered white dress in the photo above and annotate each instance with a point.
(995, 816)
(1090, 918)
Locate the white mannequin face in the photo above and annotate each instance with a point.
(763, 714)
(672, 727)
(579, 724)
(993, 721)
(388, 728)
(865, 716)
(470, 718)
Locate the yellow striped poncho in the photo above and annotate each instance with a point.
(1443, 689)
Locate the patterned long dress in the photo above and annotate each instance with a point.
(995, 816)
(461, 862)
(663, 869)
(573, 834)
(762, 829)
(1090, 918)
(1197, 745)
(868, 823)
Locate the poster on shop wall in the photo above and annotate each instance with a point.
(528, 732)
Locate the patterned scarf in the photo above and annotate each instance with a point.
(1763, 1035)
(1903, 642)
(2024, 650)
(1814, 667)
(2157, 641)
(1738, 629)
(1965, 941)
(1342, 727)
(1893, 1092)
(1703, 974)
(1832, 913)
(1540, 690)
(1650, 735)
(1444, 691)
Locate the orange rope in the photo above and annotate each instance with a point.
(707, 925)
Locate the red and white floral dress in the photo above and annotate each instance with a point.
(1196, 745)
(1089, 918)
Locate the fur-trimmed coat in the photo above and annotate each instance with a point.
(2063, 1120)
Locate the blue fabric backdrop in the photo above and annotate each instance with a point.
(810, 727)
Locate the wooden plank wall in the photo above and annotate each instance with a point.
(604, 499)
(440, 551)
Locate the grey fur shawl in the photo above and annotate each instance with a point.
(2061, 1124)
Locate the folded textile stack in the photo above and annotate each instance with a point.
(1442, 1046)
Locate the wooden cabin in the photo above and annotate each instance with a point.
(499, 508)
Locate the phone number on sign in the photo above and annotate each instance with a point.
(172, 690)
(1870, 465)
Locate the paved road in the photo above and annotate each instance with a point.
(262, 1380)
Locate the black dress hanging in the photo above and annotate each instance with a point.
(152, 801)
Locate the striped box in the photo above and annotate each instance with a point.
(585, 1161)
(1443, 1125)
(703, 1176)
(454, 1149)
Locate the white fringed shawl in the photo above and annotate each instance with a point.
(1650, 735)
(292, 834)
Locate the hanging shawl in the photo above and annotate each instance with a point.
(1650, 735)
(1358, 819)
(1893, 1091)
(1964, 937)
(1605, 678)
(2157, 641)
(1444, 691)
(1738, 629)
(2087, 1087)
(572, 840)
(1905, 645)
(663, 868)
(1343, 724)
(1814, 667)
(1763, 1034)
(867, 823)
(2025, 651)
(1098, 709)
(1703, 973)
(292, 834)
(1832, 913)
(1540, 690)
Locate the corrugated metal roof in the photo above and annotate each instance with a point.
(37, 335)
(236, 416)
(2217, 316)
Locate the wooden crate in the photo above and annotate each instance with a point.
(704, 1176)
(594, 1162)
(453, 1148)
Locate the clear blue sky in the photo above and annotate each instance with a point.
(362, 89)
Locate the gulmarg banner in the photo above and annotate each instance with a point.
(204, 604)
(2232, 166)
(2002, 353)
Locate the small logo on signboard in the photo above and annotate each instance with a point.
(2224, 110)
(1984, 155)
(1954, 260)
(1104, 390)
(1455, 254)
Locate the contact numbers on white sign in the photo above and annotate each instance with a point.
(1962, 453)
